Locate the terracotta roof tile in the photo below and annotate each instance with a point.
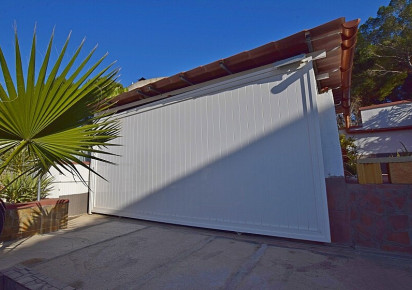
(337, 37)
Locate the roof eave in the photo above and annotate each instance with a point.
(337, 37)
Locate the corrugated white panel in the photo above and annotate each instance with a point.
(242, 155)
(332, 154)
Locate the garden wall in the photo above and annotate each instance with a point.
(77, 203)
(376, 216)
(38, 217)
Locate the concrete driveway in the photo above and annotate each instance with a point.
(100, 252)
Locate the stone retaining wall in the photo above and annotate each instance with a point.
(39, 217)
(372, 216)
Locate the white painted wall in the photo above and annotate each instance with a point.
(332, 156)
(388, 142)
(243, 154)
(68, 183)
(387, 117)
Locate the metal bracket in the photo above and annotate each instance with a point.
(222, 65)
(300, 58)
(154, 90)
(186, 80)
(143, 94)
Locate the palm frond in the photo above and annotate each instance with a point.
(56, 117)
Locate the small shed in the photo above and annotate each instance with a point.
(241, 144)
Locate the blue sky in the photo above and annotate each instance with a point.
(160, 38)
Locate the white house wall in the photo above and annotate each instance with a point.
(332, 156)
(242, 155)
(387, 117)
(384, 142)
(68, 183)
(387, 142)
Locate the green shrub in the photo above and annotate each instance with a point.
(24, 188)
(403, 151)
(18, 185)
(349, 154)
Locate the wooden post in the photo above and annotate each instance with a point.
(347, 121)
(369, 173)
(400, 172)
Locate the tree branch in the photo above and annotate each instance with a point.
(388, 56)
(387, 46)
(384, 72)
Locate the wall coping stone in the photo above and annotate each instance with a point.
(43, 202)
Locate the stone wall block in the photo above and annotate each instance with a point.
(399, 238)
(365, 242)
(399, 222)
(340, 227)
(378, 216)
(396, 200)
(27, 219)
(366, 231)
(396, 249)
(368, 219)
(381, 229)
(354, 214)
(337, 199)
(371, 202)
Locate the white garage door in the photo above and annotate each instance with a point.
(242, 155)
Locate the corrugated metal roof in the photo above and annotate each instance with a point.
(337, 38)
(385, 105)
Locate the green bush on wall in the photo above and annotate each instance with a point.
(17, 186)
(349, 154)
(24, 189)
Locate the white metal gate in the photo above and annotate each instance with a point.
(243, 154)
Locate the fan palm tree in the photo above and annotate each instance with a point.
(58, 116)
